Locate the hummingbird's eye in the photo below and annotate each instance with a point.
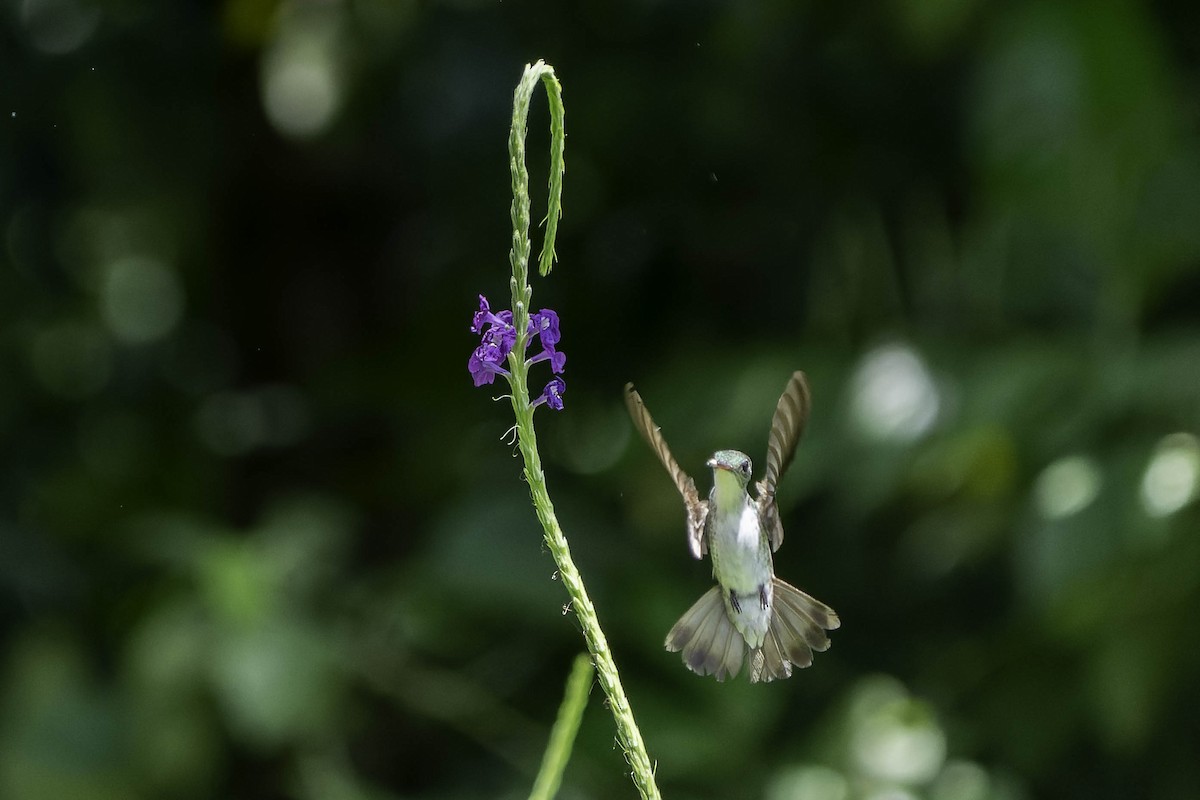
(746, 468)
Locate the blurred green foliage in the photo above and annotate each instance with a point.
(260, 538)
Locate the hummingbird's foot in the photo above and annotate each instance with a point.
(733, 601)
(762, 597)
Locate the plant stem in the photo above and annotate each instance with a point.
(562, 737)
(628, 734)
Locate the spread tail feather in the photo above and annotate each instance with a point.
(797, 628)
(710, 643)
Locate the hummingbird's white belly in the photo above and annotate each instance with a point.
(742, 564)
(740, 561)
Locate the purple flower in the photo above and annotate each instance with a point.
(545, 325)
(484, 316)
(503, 337)
(552, 394)
(498, 338)
(557, 360)
(484, 363)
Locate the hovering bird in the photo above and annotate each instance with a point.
(749, 609)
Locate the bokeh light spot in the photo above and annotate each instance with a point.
(900, 745)
(260, 674)
(894, 736)
(962, 780)
(301, 74)
(1067, 486)
(300, 94)
(1172, 476)
(811, 781)
(58, 26)
(894, 397)
(141, 300)
(890, 793)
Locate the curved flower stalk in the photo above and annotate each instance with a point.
(505, 338)
(562, 736)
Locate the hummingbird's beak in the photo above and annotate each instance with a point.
(712, 463)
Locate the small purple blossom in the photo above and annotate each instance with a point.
(498, 338)
(504, 338)
(557, 360)
(545, 324)
(484, 363)
(484, 316)
(552, 394)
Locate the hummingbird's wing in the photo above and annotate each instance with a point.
(791, 415)
(697, 509)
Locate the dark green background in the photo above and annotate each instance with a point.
(260, 537)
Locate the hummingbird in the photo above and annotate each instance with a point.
(749, 611)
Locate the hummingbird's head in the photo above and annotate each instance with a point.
(732, 462)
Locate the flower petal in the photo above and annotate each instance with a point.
(545, 324)
(552, 394)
